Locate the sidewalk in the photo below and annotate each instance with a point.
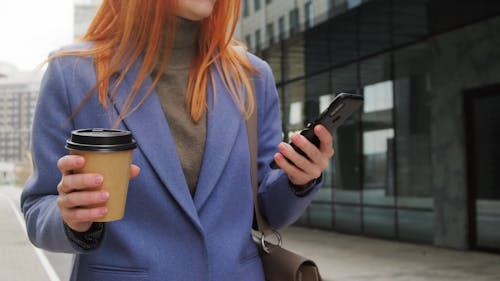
(340, 257)
(18, 259)
(355, 258)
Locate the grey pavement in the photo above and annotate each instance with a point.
(340, 257)
(355, 258)
(19, 260)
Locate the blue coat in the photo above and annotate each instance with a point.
(166, 234)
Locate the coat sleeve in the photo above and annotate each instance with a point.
(278, 203)
(51, 127)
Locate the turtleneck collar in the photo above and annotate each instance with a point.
(184, 47)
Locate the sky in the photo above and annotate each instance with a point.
(30, 29)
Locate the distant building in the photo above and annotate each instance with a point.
(18, 92)
(84, 13)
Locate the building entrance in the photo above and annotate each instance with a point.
(482, 113)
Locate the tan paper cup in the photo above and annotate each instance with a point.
(109, 153)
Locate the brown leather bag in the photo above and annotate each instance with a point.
(279, 264)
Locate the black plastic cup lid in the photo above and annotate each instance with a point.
(101, 140)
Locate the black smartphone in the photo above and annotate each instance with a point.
(342, 106)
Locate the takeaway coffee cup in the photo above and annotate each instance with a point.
(109, 153)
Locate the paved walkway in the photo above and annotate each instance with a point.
(355, 258)
(340, 257)
(18, 259)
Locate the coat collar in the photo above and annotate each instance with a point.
(154, 139)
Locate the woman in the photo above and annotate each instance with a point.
(169, 72)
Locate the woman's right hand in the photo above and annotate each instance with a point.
(80, 199)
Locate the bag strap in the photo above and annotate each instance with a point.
(251, 123)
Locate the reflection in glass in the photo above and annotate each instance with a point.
(324, 101)
(343, 40)
(294, 64)
(320, 215)
(378, 139)
(378, 188)
(413, 149)
(293, 109)
(347, 143)
(374, 27)
(416, 225)
(273, 56)
(295, 114)
(345, 79)
(379, 221)
(317, 48)
(347, 218)
(410, 20)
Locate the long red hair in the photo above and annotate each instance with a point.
(124, 31)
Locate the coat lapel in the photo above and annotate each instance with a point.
(154, 139)
(224, 121)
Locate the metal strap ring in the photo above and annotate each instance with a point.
(263, 241)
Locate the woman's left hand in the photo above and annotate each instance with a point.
(305, 170)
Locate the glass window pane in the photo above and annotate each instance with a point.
(294, 57)
(347, 218)
(293, 110)
(413, 142)
(343, 39)
(374, 27)
(346, 166)
(258, 43)
(325, 193)
(270, 34)
(410, 20)
(316, 86)
(293, 18)
(417, 226)
(347, 142)
(345, 79)
(273, 56)
(320, 215)
(317, 48)
(378, 132)
(281, 26)
(257, 5)
(379, 221)
(246, 8)
(309, 14)
(488, 223)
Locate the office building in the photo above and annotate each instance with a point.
(420, 162)
(18, 92)
(84, 13)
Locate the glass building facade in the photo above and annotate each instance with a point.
(421, 161)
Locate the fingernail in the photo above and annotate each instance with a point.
(283, 146)
(79, 160)
(103, 211)
(98, 179)
(105, 195)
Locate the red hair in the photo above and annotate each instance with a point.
(124, 31)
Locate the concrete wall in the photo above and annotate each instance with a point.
(464, 59)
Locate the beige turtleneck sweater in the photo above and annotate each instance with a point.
(189, 137)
